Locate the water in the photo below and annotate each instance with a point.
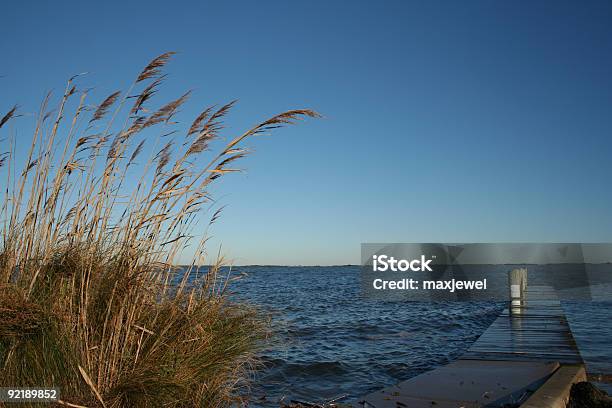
(592, 328)
(331, 342)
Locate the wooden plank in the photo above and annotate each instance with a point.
(496, 356)
(555, 392)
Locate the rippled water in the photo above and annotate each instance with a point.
(591, 325)
(331, 341)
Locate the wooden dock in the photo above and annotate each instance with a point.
(529, 345)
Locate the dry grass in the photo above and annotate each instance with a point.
(89, 299)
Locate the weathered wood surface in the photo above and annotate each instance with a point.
(465, 383)
(555, 393)
(539, 332)
(508, 362)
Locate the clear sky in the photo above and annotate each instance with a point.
(445, 121)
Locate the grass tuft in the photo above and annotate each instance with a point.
(90, 298)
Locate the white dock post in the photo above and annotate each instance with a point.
(517, 283)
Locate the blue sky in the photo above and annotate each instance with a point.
(444, 121)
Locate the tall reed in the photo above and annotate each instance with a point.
(90, 298)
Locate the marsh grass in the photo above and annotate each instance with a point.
(90, 299)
